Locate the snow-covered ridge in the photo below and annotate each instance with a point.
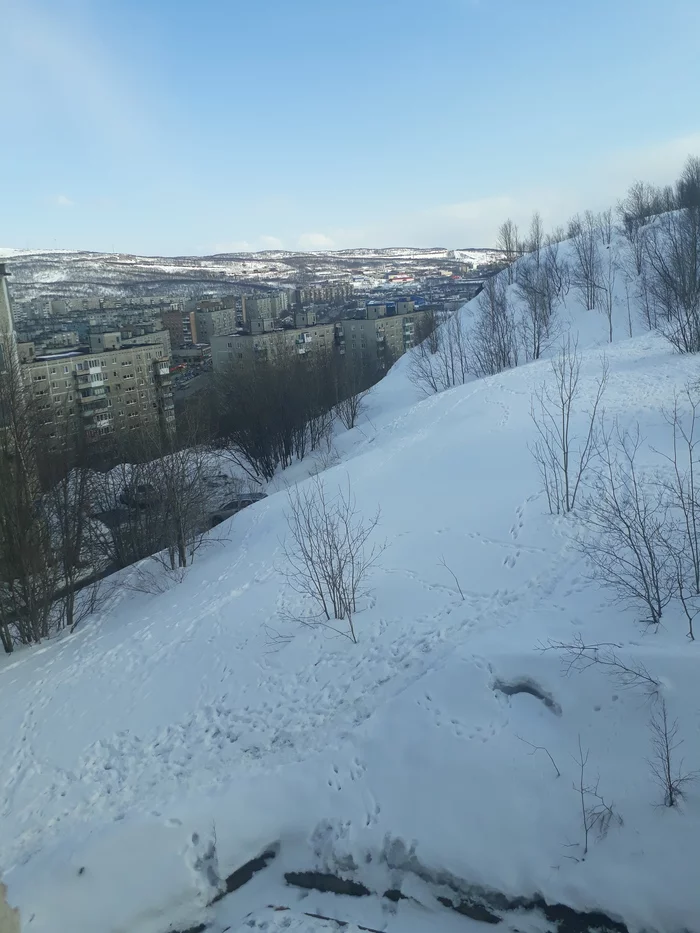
(173, 715)
(73, 273)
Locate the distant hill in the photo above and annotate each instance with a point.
(62, 273)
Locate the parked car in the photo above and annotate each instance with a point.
(235, 505)
(140, 496)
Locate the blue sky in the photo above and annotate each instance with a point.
(172, 127)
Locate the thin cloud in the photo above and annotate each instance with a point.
(313, 241)
(62, 200)
(271, 242)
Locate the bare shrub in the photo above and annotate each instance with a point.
(681, 490)
(626, 526)
(577, 656)
(508, 241)
(537, 323)
(597, 816)
(441, 361)
(609, 267)
(673, 276)
(671, 777)
(562, 455)
(328, 553)
(585, 273)
(494, 335)
(349, 409)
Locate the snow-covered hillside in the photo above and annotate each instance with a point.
(404, 762)
(74, 273)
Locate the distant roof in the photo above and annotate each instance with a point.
(47, 357)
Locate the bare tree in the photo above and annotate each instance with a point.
(583, 232)
(681, 490)
(608, 266)
(541, 286)
(28, 569)
(672, 778)
(182, 480)
(579, 656)
(442, 361)
(348, 409)
(672, 246)
(426, 329)
(353, 381)
(508, 241)
(67, 502)
(596, 815)
(563, 455)
(494, 335)
(626, 526)
(635, 211)
(328, 553)
(536, 238)
(688, 185)
(606, 227)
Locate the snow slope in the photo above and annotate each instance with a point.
(177, 718)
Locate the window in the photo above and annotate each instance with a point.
(66, 369)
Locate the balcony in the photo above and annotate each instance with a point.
(86, 379)
(101, 412)
(91, 395)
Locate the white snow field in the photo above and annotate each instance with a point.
(174, 720)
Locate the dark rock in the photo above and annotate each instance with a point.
(471, 909)
(325, 882)
(393, 894)
(243, 874)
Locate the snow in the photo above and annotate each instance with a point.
(176, 716)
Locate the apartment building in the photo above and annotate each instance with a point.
(322, 293)
(238, 349)
(377, 339)
(109, 386)
(209, 323)
(180, 326)
(383, 338)
(264, 307)
(8, 344)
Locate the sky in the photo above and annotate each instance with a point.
(165, 127)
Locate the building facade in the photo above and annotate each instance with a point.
(180, 326)
(374, 340)
(212, 323)
(107, 387)
(8, 343)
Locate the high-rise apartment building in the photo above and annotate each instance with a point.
(108, 387)
(180, 325)
(377, 339)
(8, 345)
(209, 323)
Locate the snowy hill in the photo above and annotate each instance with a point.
(71, 273)
(413, 761)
